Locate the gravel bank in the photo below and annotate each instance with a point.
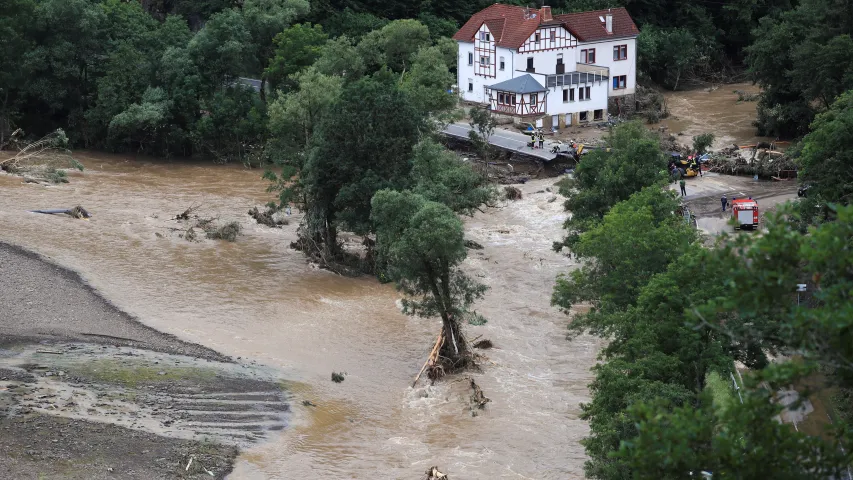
(42, 301)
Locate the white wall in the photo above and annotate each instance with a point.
(546, 61)
(604, 58)
(466, 71)
(598, 100)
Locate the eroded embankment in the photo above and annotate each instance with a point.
(88, 392)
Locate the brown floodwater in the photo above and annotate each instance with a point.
(259, 300)
(716, 110)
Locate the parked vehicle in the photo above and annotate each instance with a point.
(745, 213)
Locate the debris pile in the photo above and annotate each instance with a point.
(478, 400)
(434, 474)
(228, 232)
(269, 217)
(483, 344)
(765, 163)
(473, 245)
(512, 193)
(214, 231)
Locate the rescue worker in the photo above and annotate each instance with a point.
(541, 140)
(682, 183)
(724, 201)
(532, 139)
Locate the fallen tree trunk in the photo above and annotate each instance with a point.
(76, 212)
(432, 360)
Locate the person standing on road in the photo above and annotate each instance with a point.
(682, 183)
(724, 201)
(532, 139)
(541, 140)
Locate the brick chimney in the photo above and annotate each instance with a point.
(545, 13)
(608, 21)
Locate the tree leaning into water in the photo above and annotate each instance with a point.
(421, 243)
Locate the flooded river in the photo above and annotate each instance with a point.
(259, 300)
(716, 110)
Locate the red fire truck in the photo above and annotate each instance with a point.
(745, 213)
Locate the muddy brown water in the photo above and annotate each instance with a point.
(261, 301)
(716, 110)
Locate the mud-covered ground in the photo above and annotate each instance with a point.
(704, 193)
(86, 392)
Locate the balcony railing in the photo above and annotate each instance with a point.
(589, 75)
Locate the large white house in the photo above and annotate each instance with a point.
(556, 70)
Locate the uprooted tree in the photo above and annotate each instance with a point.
(42, 159)
(421, 243)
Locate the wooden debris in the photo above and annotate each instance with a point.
(187, 213)
(434, 474)
(512, 193)
(478, 400)
(433, 356)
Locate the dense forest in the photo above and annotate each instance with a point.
(159, 76)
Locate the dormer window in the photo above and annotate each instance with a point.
(484, 36)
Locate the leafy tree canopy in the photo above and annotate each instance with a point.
(603, 178)
(296, 48)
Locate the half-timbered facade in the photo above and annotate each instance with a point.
(583, 62)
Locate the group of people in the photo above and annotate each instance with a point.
(536, 136)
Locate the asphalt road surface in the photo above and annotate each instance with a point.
(505, 139)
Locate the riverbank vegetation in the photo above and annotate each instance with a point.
(679, 317)
(168, 77)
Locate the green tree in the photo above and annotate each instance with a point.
(798, 59)
(603, 178)
(654, 354)
(825, 159)
(296, 48)
(222, 50)
(757, 303)
(339, 57)
(702, 142)
(636, 239)
(352, 24)
(233, 127)
(422, 244)
(394, 46)
(13, 47)
(266, 19)
(293, 119)
(141, 124)
(63, 64)
(363, 145)
(666, 56)
(483, 125)
(439, 175)
(745, 441)
(429, 80)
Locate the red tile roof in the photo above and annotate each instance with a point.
(587, 26)
(511, 29)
